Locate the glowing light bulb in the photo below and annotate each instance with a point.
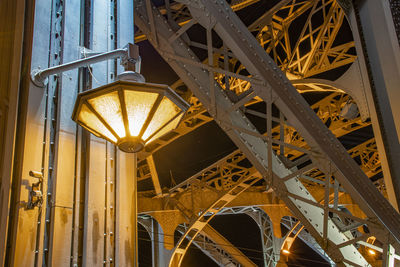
(285, 251)
(371, 252)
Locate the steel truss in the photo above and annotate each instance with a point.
(217, 247)
(270, 244)
(292, 224)
(328, 110)
(196, 194)
(285, 174)
(273, 33)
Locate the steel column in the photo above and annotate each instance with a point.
(373, 23)
(160, 255)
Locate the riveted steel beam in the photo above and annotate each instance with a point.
(229, 27)
(241, 132)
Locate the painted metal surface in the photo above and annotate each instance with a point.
(382, 61)
(126, 229)
(108, 174)
(11, 54)
(76, 224)
(26, 246)
(125, 185)
(94, 241)
(65, 152)
(182, 64)
(386, 215)
(160, 255)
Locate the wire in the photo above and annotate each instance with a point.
(215, 157)
(91, 74)
(241, 248)
(195, 247)
(250, 257)
(90, 70)
(222, 245)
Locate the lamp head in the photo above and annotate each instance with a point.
(129, 113)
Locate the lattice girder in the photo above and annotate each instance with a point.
(332, 159)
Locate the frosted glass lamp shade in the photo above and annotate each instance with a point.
(129, 114)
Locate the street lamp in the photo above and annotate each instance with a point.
(129, 112)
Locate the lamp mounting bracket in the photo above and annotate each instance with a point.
(129, 56)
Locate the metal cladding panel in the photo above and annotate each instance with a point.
(60, 249)
(125, 231)
(110, 198)
(67, 128)
(95, 205)
(124, 164)
(125, 26)
(11, 53)
(125, 23)
(63, 189)
(71, 52)
(101, 12)
(28, 241)
(49, 145)
(96, 171)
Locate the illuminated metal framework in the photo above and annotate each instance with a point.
(294, 143)
(270, 243)
(217, 247)
(314, 51)
(395, 6)
(66, 195)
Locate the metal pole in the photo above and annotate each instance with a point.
(39, 76)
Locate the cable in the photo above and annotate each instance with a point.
(250, 257)
(222, 245)
(195, 247)
(215, 157)
(90, 70)
(248, 249)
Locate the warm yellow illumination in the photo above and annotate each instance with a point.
(285, 251)
(371, 252)
(172, 125)
(129, 114)
(87, 117)
(165, 112)
(109, 108)
(138, 106)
